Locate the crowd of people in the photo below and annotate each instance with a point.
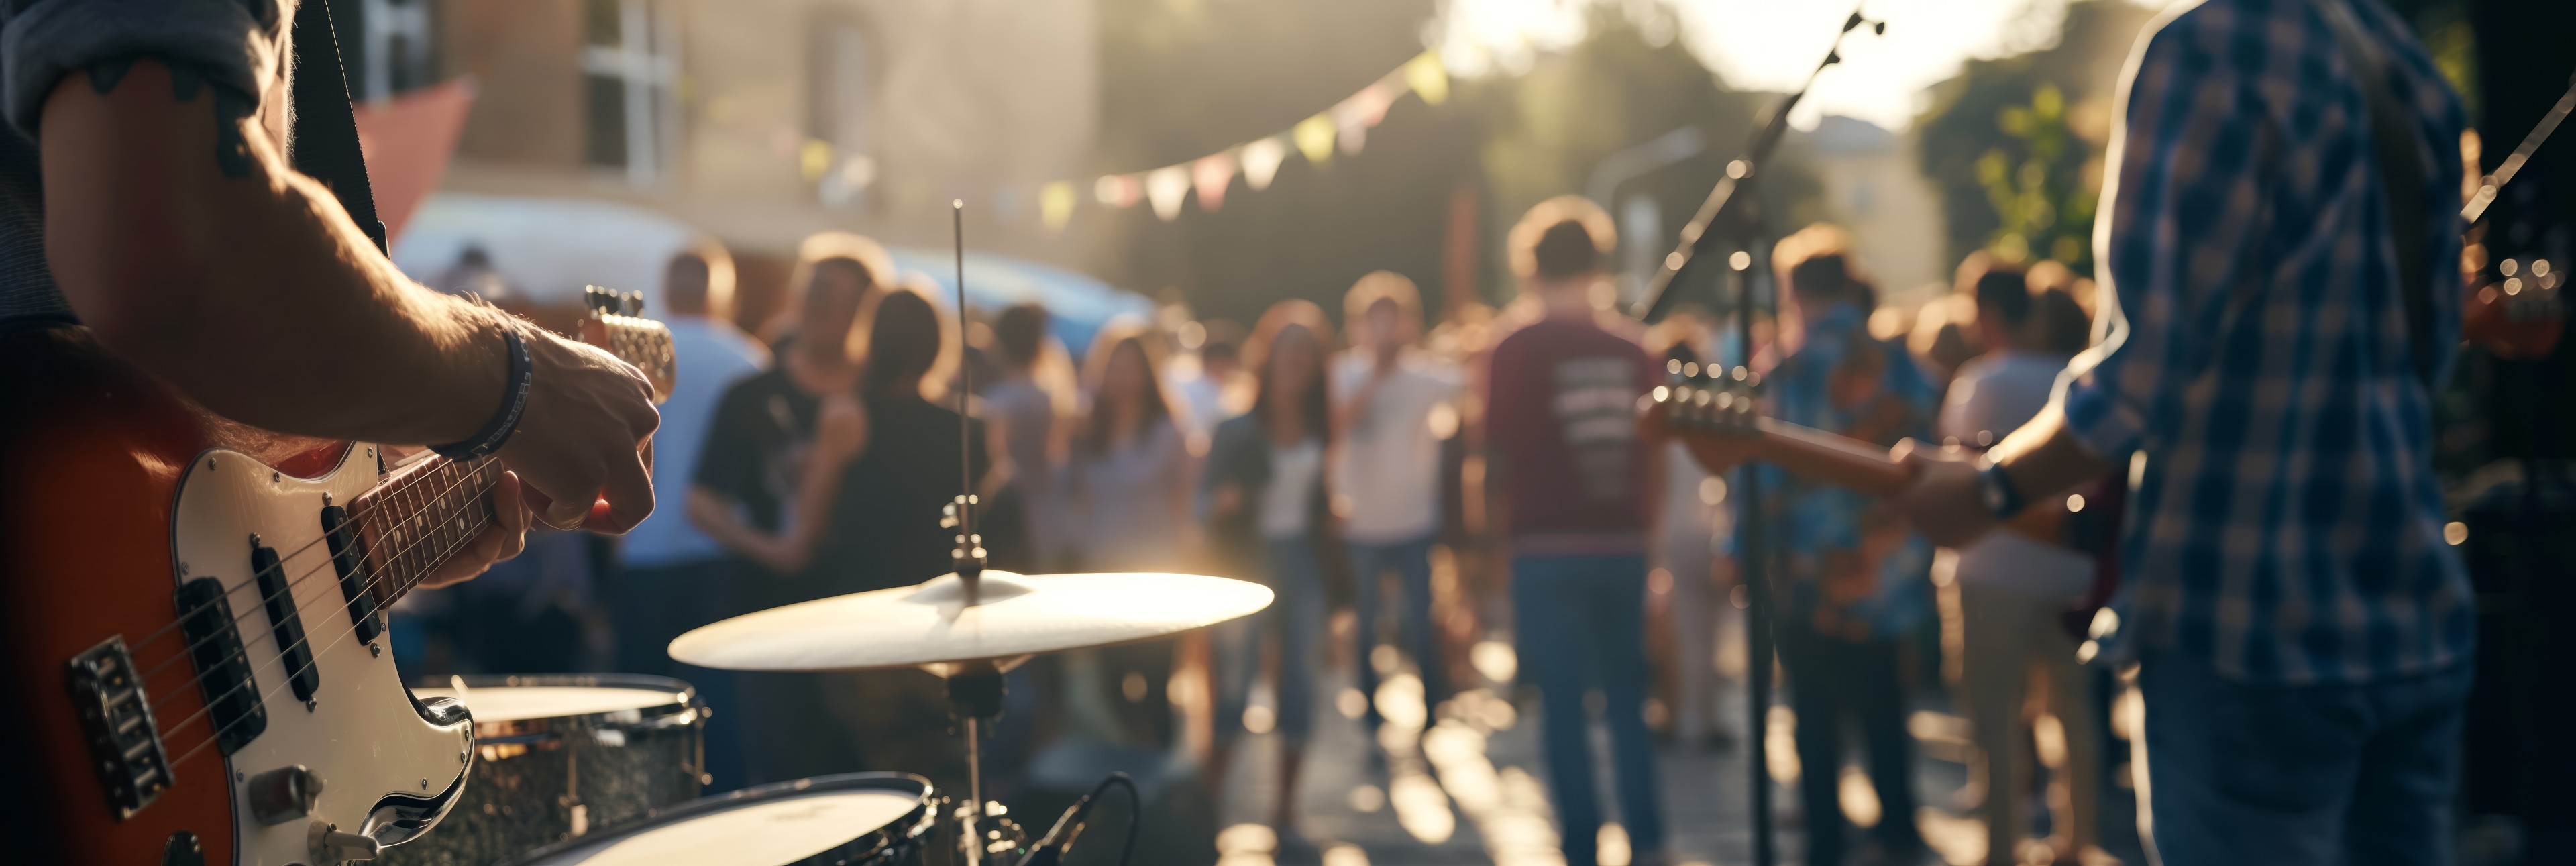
(810, 455)
(2291, 627)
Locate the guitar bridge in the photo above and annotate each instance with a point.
(124, 742)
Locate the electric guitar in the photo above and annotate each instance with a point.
(192, 619)
(1720, 421)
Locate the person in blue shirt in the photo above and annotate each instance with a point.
(1855, 585)
(668, 571)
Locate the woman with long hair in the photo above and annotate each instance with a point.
(1127, 476)
(1266, 504)
(1126, 492)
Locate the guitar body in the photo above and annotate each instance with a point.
(113, 495)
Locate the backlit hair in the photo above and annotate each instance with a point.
(1380, 286)
(874, 264)
(1545, 244)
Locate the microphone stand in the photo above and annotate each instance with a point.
(1728, 228)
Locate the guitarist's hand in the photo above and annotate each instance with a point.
(499, 542)
(583, 448)
(1942, 500)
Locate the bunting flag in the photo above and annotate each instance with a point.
(1343, 127)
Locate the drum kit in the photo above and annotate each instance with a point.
(562, 755)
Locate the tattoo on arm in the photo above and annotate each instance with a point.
(232, 149)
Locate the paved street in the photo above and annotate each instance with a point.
(1483, 798)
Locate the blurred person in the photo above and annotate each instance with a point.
(1856, 574)
(1578, 496)
(884, 526)
(1216, 391)
(1127, 474)
(1266, 501)
(159, 235)
(1127, 495)
(671, 575)
(2301, 628)
(1023, 415)
(473, 274)
(1692, 525)
(1386, 470)
(764, 489)
(2013, 590)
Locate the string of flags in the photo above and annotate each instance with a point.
(1343, 127)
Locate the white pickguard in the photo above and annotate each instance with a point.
(362, 735)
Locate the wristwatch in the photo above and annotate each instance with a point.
(1995, 491)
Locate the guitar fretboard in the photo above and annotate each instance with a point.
(420, 518)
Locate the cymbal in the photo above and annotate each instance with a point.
(931, 626)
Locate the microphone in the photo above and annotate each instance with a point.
(1050, 849)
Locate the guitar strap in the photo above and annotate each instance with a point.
(2401, 158)
(325, 141)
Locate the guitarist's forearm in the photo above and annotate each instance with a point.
(2043, 457)
(184, 240)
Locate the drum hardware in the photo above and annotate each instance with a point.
(805, 822)
(562, 757)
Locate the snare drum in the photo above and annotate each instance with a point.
(559, 756)
(857, 819)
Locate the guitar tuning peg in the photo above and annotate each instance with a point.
(634, 304)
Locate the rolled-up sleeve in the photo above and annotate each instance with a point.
(2187, 159)
(240, 45)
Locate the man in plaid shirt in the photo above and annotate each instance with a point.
(2303, 632)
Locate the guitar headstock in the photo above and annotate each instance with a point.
(1713, 410)
(616, 323)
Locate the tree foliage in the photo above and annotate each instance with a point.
(2015, 144)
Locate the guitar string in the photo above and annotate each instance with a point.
(217, 736)
(157, 634)
(271, 628)
(185, 615)
(171, 730)
(190, 649)
(300, 611)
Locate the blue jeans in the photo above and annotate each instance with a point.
(2329, 775)
(1832, 682)
(1581, 621)
(1296, 618)
(1411, 561)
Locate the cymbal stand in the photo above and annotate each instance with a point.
(976, 697)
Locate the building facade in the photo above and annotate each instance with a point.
(759, 122)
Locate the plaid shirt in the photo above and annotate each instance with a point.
(2285, 525)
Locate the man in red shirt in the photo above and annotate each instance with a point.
(1561, 423)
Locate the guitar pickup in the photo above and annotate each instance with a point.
(124, 742)
(284, 622)
(223, 669)
(349, 558)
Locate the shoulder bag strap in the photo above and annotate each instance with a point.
(2401, 160)
(325, 144)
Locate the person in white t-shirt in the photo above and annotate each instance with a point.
(1393, 405)
(2012, 589)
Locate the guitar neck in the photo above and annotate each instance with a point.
(421, 517)
(1837, 460)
